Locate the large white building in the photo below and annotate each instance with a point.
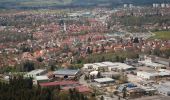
(152, 75)
(96, 66)
(146, 75)
(67, 73)
(104, 81)
(118, 66)
(37, 72)
(40, 79)
(108, 66)
(149, 63)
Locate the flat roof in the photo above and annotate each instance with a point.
(148, 73)
(88, 65)
(35, 72)
(164, 88)
(152, 64)
(44, 77)
(167, 83)
(66, 72)
(58, 83)
(100, 64)
(94, 73)
(147, 88)
(102, 80)
(108, 63)
(154, 73)
(118, 65)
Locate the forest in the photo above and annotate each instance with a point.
(19, 88)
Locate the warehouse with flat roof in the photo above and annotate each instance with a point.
(104, 80)
(108, 66)
(164, 90)
(152, 75)
(66, 73)
(35, 73)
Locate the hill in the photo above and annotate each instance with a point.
(65, 3)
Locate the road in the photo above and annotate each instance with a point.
(82, 81)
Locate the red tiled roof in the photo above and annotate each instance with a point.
(83, 89)
(58, 83)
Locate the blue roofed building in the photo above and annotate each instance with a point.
(132, 89)
(127, 85)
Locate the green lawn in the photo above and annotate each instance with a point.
(34, 3)
(165, 35)
(45, 2)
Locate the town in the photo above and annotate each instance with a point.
(101, 53)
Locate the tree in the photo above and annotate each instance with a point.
(88, 51)
(102, 59)
(156, 52)
(66, 48)
(117, 58)
(102, 48)
(52, 67)
(118, 97)
(25, 89)
(86, 77)
(101, 98)
(28, 66)
(121, 59)
(124, 92)
(98, 75)
(40, 59)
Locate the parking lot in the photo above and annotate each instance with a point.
(156, 97)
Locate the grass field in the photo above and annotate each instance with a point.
(45, 2)
(34, 3)
(165, 35)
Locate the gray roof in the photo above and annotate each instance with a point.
(35, 72)
(66, 72)
(102, 80)
(164, 88)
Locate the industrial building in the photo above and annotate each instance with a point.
(155, 61)
(35, 73)
(149, 63)
(132, 89)
(40, 79)
(96, 66)
(153, 75)
(66, 73)
(118, 66)
(105, 81)
(66, 85)
(164, 89)
(56, 83)
(100, 66)
(108, 66)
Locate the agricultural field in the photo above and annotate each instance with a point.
(165, 35)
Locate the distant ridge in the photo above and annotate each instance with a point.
(71, 3)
